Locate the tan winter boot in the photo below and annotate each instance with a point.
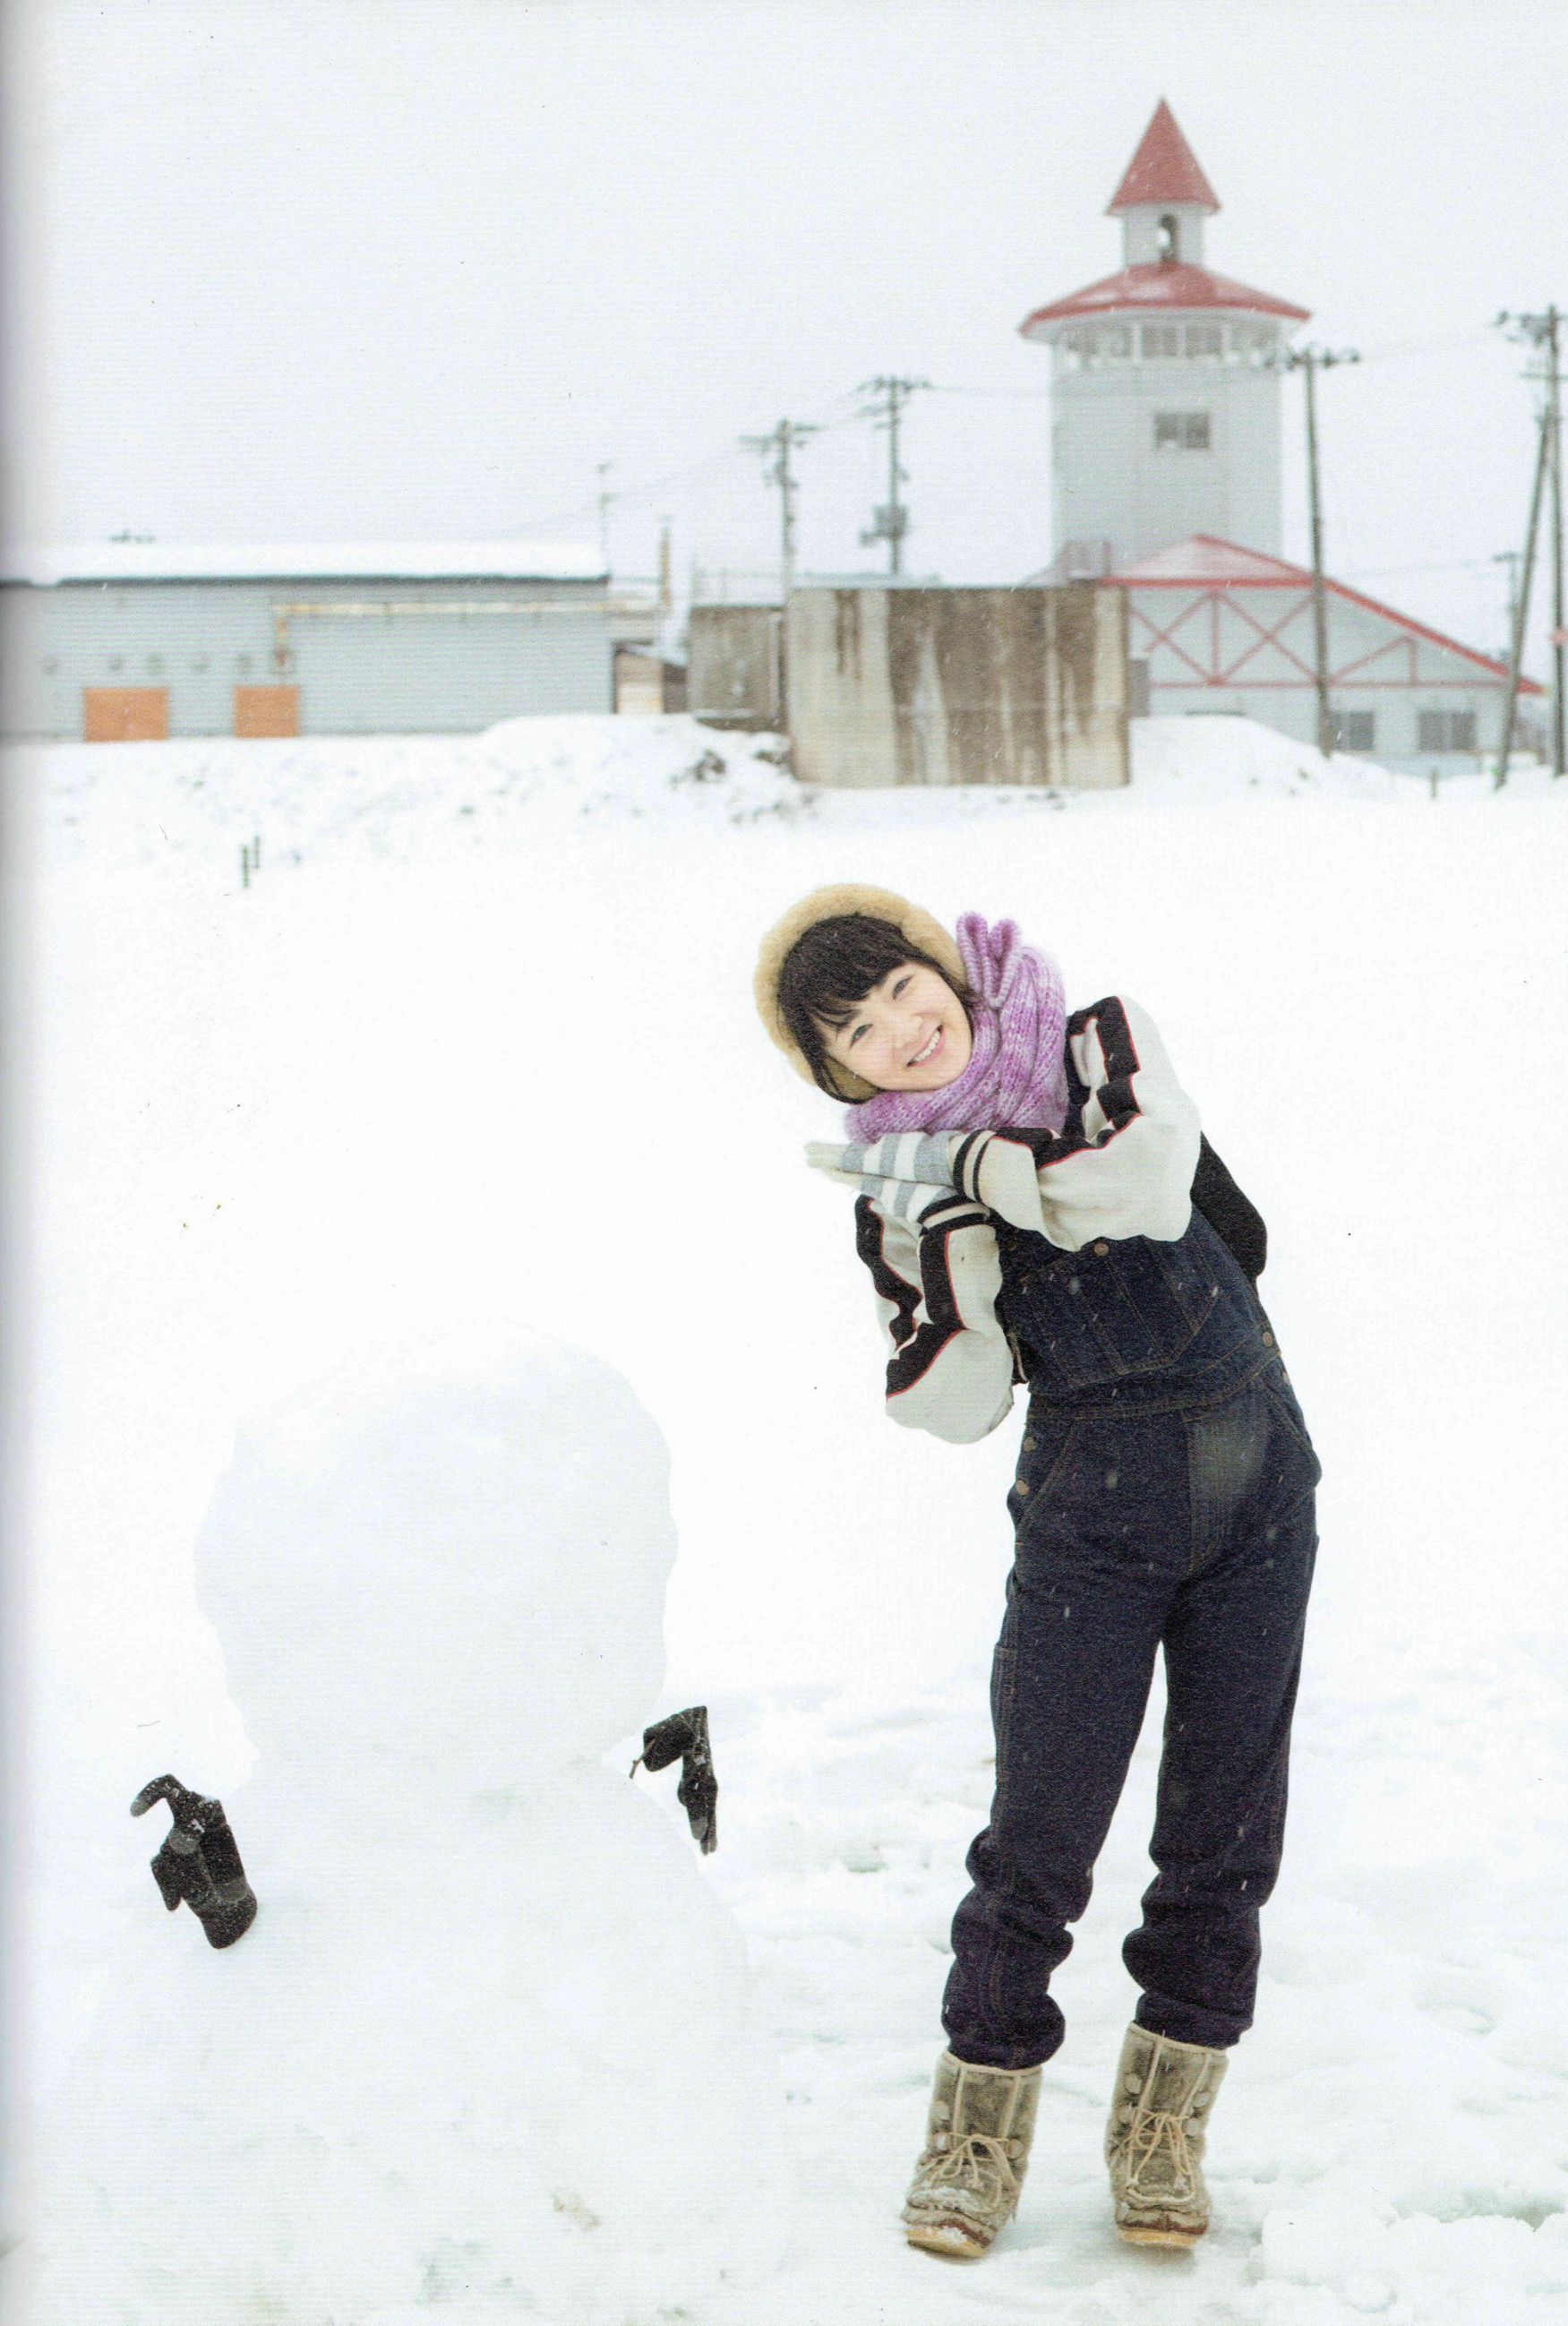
(976, 2147)
(1153, 2142)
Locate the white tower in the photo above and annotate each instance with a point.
(1166, 410)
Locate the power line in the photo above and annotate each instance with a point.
(1472, 336)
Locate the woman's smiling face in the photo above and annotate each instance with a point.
(910, 1033)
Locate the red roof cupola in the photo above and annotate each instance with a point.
(1164, 169)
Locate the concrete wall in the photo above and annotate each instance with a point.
(435, 672)
(732, 660)
(889, 686)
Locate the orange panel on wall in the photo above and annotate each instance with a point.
(266, 711)
(124, 714)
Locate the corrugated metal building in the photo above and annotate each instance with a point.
(134, 640)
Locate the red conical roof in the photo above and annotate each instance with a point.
(1164, 169)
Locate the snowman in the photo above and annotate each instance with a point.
(488, 2049)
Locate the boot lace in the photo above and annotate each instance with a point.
(981, 2162)
(1151, 2130)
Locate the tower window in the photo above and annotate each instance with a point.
(1168, 245)
(1182, 431)
(1161, 340)
(1204, 340)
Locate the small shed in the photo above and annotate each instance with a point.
(646, 684)
(126, 641)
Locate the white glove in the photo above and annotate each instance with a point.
(905, 1171)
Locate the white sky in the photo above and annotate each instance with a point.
(338, 269)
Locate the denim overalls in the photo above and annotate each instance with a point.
(1163, 1497)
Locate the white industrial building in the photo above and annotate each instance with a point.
(1214, 627)
(133, 641)
(1167, 384)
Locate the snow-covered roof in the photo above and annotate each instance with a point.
(1204, 560)
(1164, 169)
(1205, 563)
(404, 561)
(1160, 285)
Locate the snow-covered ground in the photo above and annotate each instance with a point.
(478, 1037)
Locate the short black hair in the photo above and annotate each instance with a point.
(828, 972)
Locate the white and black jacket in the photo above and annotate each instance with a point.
(1129, 1161)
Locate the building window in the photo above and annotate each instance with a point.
(1445, 731)
(1205, 340)
(1358, 730)
(117, 662)
(1116, 341)
(1161, 339)
(155, 664)
(242, 662)
(1185, 432)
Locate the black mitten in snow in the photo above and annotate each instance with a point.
(199, 1862)
(684, 1734)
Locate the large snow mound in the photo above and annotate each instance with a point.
(431, 797)
(394, 796)
(1214, 757)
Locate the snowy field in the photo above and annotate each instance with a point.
(478, 1038)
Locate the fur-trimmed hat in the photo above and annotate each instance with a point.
(926, 934)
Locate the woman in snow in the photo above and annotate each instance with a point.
(1037, 1205)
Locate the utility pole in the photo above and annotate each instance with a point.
(1542, 332)
(782, 443)
(891, 518)
(1510, 558)
(605, 497)
(1522, 612)
(1311, 361)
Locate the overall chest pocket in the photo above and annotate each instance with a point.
(1113, 1309)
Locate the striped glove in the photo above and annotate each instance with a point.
(907, 1170)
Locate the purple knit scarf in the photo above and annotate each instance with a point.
(1016, 1076)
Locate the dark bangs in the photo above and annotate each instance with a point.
(828, 972)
